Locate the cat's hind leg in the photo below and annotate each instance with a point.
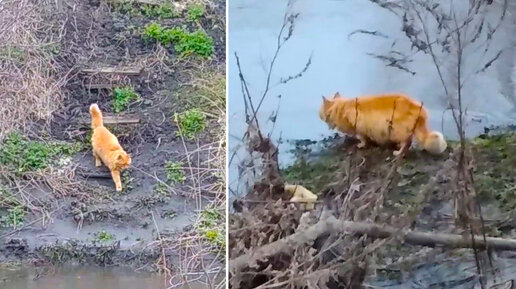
(116, 178)
(98, 161)
(363, 141)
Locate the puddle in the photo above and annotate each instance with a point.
(80, 277)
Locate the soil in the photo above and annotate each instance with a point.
(97, 36)
(417, 195)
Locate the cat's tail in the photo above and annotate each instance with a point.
(432, 141)
(96, 116)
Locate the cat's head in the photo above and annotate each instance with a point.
(324, 111)
(123, 160)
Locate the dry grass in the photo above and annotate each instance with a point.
(30, 89)
(202, 252)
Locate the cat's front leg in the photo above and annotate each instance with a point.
(116, 178)
(98, 161)
(404, 146)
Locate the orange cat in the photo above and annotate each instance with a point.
(106, 148)
(388, 118)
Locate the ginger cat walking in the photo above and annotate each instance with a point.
(106, 148)
(383, 119)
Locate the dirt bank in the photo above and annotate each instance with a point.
(369, 185)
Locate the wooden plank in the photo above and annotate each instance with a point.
(148, 2)
(98, 86)
(114, 70)
(111, 119)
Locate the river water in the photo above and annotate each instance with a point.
(341, 64)
(82, 277)
(78, 278)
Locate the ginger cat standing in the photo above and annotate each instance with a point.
(388, 118)
(106, 148)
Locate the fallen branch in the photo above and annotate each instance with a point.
(332, 225)
(113, 70)
(111, 119)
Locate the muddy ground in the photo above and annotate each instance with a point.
(360, 185)
(74, 216)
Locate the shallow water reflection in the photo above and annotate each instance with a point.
(82, 277)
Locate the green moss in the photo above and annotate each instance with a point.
(122, 97)
(25, 155)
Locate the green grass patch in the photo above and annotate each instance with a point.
(163, 11)
(211, 227)
(206, 92)
(190, 123)
(195, 43)
(122, 97)
(169, 214)
(25, 155)
(13, 211)
(7, 199)
(127, 181)
(175, 173)
(126, 8)
(495, 173)
(12, 53)
(155, 32)
(195, 11)
(161, 190)
(186, 44)
(14, 217)
(104, 237)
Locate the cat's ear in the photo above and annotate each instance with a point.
(120, 157)
(324, 99)
(337, 95)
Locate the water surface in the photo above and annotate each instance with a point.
(82, 277)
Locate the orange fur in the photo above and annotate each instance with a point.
(106, 148)
(383, 119)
